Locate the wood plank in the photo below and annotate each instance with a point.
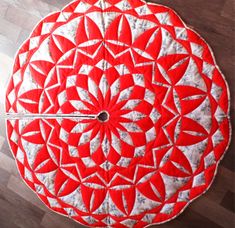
(52, 220)
(20, 188)
(8, 164)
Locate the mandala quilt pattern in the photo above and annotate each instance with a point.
(118, 113)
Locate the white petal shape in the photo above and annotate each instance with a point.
(83, 94)
(20, 155)
(219, 115)
(88, 162)
(140, 151)
(43, 52)
(210, 160)
(79, 128)
(92, 87)
(139, 80)
(164, 18)
(115, 88)
(123, 5)
(216, 91)
(138, 26)
(131, 104)
(149, 96)
(85, 137)
(143, 10)
(73, 151)
(82, 7)
(53, 202)
(48, 179)
(104, 85)
(125, 94)
(124, 136)
(95, 143)
(116, 143)
(196, 49)
(181, 33)
(78, 105)
(167, 208)
(124, 162)
(31, 151)
(142, 204)
(103, 65)
(217, 138)
(202, 114)
(28, 84)
(194, 152)
(134, 116)
(105, 146)
(192, 77)
(122, 69)
(166, 158)
(71, 81)
(101, 21)
(64, 135)
(208, 69)
(69, 30)
(183, 196)
(154, 115)
(85, 69)
(169, 45)
(199, 180)
(75, 200)
(151, 134)
(164, 73)
(131, 127)
(172, 184)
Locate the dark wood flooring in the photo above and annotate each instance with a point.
(213, 20)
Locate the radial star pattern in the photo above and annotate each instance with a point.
(131, 113)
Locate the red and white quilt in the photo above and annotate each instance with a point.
(118, 113)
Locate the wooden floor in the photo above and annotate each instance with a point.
(19, 207)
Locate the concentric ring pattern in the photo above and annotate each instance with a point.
(166, 104)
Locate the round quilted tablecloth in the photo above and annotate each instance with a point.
(118, 113)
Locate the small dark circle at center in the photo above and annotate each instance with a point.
(103, 116)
